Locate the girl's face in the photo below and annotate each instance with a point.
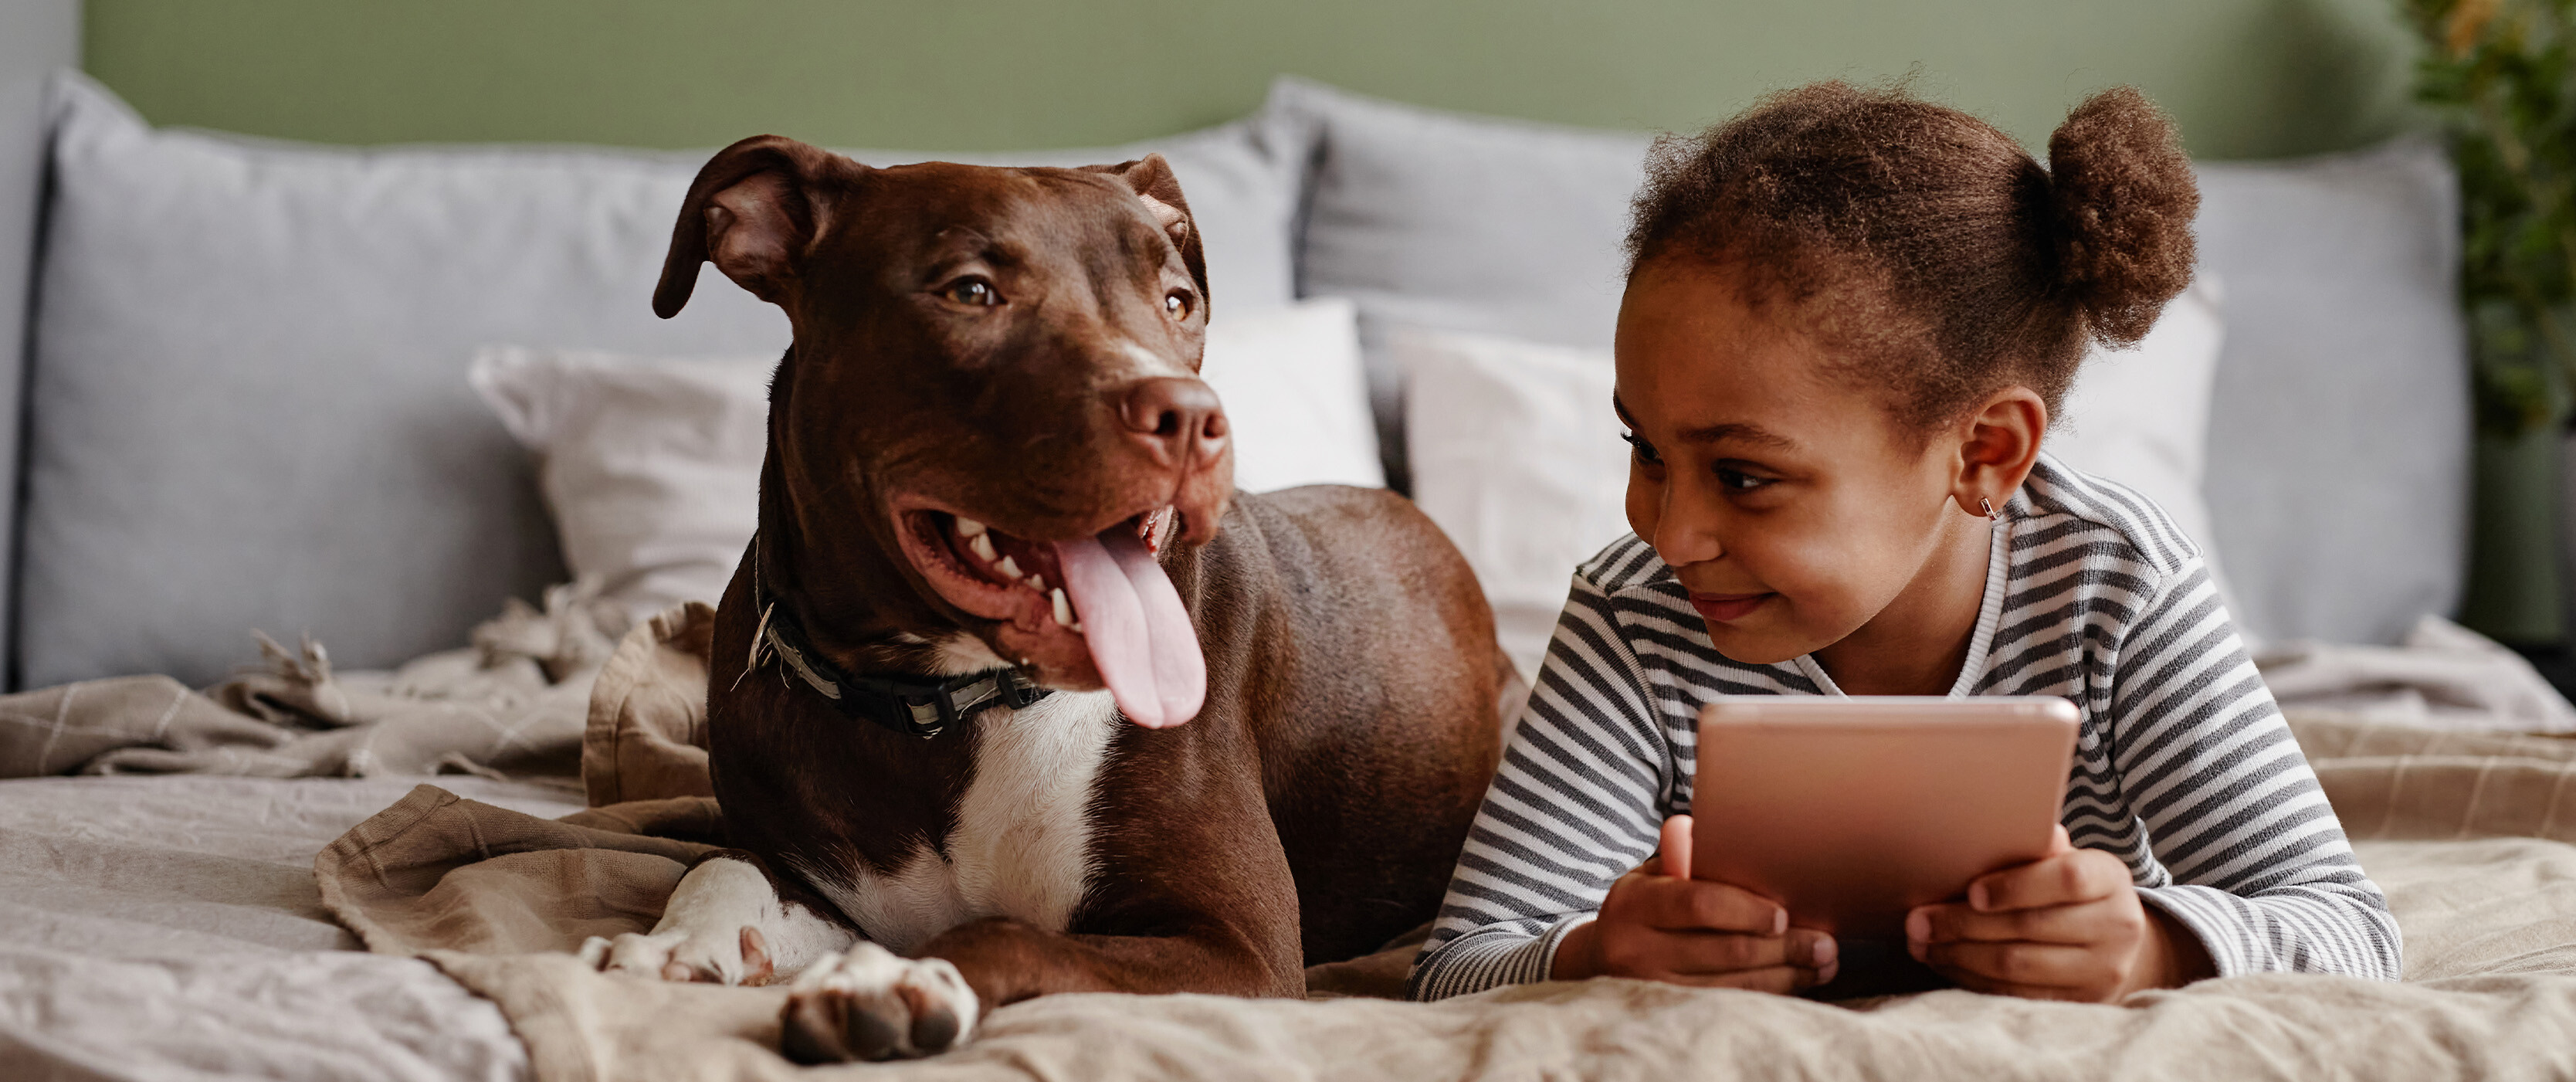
(1789, 502)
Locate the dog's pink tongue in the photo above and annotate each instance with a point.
(1139, 633)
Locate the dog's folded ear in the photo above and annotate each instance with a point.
(1152, 180)
(751, 211)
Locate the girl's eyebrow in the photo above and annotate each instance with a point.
(1740, 432)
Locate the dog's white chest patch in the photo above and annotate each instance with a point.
(1021, 847)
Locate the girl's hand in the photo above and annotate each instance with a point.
(2068, 926)
(1672, 928)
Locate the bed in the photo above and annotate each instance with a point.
(249, 409)
(168, 927)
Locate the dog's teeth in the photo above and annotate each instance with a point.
(968, 527)
(982, 545)
(1036, 583)
(1008, 569)
(1063, 608)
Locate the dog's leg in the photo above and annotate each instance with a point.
(1204, 903)
(724, 924)
(868, 1003)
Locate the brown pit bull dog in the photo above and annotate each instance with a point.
(1006, 699)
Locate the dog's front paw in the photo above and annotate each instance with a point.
(867, 1003)
(741, 958)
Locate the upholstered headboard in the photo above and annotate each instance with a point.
(37, 37)
(249, 404)
(248, 408)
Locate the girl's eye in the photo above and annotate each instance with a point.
(972, 291)
(1176, 304)
(1739, 481)
(1645, 451)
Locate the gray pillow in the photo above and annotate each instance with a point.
(37, 38)
(249, 406)
(2338, 475)
(1453, 222)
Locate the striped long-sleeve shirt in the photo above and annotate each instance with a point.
(2183, 767)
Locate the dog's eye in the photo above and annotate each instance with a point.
(974, 291)
(1176, 304)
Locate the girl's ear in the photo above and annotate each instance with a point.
(1999, 443)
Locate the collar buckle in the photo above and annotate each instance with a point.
(929, 709)
(922, 708)
(926, 709)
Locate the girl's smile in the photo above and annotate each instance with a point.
(1727, 608)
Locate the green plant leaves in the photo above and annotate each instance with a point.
(2502, 74)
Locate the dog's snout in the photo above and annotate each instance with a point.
(1179, 420)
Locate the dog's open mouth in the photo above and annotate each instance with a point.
(1102, 599)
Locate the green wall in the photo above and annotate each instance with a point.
(2246, 78)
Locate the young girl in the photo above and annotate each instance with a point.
(1849, 318)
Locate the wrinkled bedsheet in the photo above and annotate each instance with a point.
(168, 928)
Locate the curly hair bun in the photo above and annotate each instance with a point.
(2123, 197)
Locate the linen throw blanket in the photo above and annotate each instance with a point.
(2474, 835)
(513, 702)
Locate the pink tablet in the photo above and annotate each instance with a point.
(1852, 811)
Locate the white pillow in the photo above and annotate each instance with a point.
(2140, 416)
(651, 466)
(1516, 454)
(1295, 395)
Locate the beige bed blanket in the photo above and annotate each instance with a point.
(166, 928)
(2471, 835)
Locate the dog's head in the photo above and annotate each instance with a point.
(990, 420)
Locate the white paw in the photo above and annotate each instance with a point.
(741, 958)
(867, 1003)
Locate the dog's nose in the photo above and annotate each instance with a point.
(1179, 420)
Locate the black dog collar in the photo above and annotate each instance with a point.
(907, 705)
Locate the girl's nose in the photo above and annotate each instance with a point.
(1687, 529)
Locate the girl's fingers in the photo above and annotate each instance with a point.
(1724, 952)
(2036, 965)
(2069, 878)
(2058, 842)
(2090, 922)
(1692, 905)
(1672, 856)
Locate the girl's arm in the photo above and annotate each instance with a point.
(2261, 872)
(1579, 800)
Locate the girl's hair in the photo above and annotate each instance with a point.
(1937, 257)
